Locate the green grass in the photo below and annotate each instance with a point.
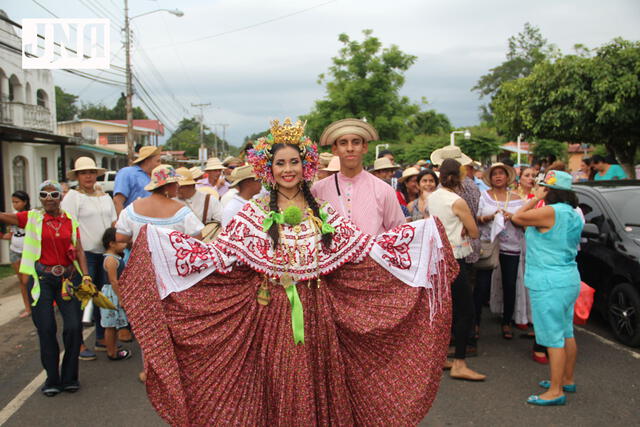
(6, 271)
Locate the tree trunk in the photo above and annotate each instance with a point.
(626, 154)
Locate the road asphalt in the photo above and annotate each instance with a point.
(608, 378)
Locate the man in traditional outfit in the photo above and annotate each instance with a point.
(356, 194)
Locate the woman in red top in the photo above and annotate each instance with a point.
(55, 264)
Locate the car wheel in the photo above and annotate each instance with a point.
(624, 314)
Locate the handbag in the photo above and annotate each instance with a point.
(583, 304)
(210, 230)
(489, 255)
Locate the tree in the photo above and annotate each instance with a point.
(100, 111)
(483, 144)
(422, 146)
(255, 136)
(526, 49)
(364, 82)
(546, 148)
(429, 122)
(187, 137)
(578, 98)
(66, 107)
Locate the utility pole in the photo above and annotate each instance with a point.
(201, 155)
(129, 107)
(224, 133)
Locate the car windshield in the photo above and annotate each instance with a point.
(626, 204)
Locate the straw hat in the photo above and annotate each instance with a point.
(324, 159)
(408, 173)
(214, 164)
(196, 172)
(146, 152)
(241, 173)
(511, 173)
(160, 176)
(186, 178)
(450, 152)
(421, 162)
(346, 127)
(383, 163)
(85, 164)
(231, 159)
(334, 165)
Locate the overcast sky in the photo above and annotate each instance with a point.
(270, 70)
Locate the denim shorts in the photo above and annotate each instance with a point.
(552, 311)
(14, 256)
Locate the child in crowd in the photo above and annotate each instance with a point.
(20, 202)
(111, 319)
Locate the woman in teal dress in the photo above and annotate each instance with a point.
(552, 277)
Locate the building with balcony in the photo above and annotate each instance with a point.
(30, 149)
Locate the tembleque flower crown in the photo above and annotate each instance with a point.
(261, 159)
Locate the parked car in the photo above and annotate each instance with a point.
(609, 257)
(106, 182)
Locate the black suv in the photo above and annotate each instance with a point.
(609, 258)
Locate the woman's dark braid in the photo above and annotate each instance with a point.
(313, 204)
(273, 207)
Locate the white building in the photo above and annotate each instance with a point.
(30, 149)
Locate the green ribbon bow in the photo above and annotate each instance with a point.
(272, 217)
(297, 316)
(326, 227)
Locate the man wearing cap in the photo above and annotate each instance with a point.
(366, 200)
(206, 207)
(130, 181)
(247, 186)
(213, 169)
(468, 188)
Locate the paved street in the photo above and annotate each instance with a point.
(608, 377)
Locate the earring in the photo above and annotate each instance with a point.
(166, 194)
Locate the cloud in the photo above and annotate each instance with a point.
(270, 70)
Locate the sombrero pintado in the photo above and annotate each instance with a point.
(347, 127)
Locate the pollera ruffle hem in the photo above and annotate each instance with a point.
(373, 352)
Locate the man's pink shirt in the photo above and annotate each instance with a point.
(367, 201)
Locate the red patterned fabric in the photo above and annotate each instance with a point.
(372, 356)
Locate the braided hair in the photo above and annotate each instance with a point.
(274, 232)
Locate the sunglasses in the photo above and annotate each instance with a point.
(50, 195)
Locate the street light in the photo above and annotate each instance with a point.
(519, 141)
(466, 133)
(129, 103)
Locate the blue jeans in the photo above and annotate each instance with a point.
(94, 264)
(44, 318)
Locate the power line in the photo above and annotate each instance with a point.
(102, 80)
(235, 30)
(17, 25)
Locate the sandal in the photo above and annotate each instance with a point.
(506, 333)
(120, 355)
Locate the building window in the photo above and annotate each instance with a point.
(19, 173)
(42, 98)
(44, 169)
(114, 166)
(116, 138)
(105, 163)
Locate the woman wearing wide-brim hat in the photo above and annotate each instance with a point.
(499, 203)
(95, 212)
(408, 189)
(158, 209)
